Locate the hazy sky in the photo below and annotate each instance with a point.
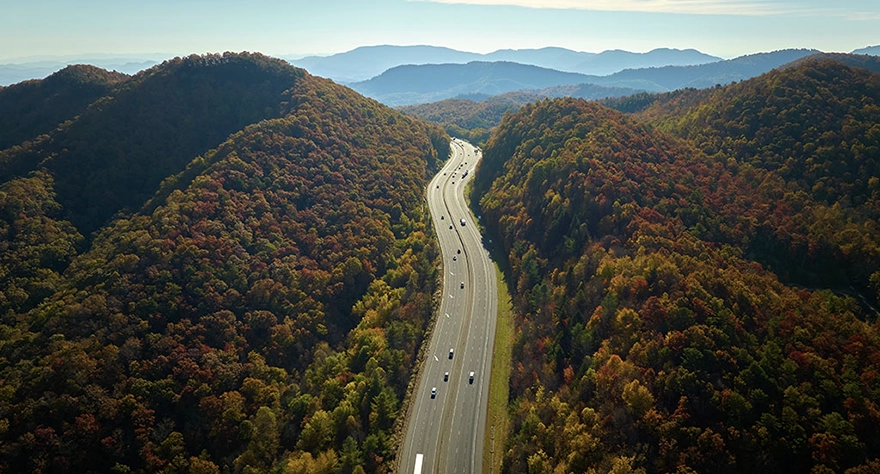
(725, 28)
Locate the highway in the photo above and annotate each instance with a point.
(445, 434)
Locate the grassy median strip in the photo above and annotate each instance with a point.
(496, 424)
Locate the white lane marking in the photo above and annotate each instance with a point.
(436, 359)
(447, 315)
(418, 468)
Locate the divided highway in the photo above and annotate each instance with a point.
(447, 421)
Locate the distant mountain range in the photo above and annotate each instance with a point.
(369, 61)
(39, 68)
(407, 85)
(415, 84)
(872, 50)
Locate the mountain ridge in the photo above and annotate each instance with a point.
(262, 313)
(366, 62)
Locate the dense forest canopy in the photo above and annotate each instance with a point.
(684, 311)
(259, 310)
(32, 108)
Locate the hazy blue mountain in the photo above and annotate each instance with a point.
(367, 62)
(553, 58)
(610, 62)
(419, 84)
(705, 75)
(406, 85)
(872, 50)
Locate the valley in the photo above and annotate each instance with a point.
(447, 420)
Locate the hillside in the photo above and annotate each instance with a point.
(35, 107)
(651, 336)
(263, 312)
(27, 69)
(472, 117)
(116, 153)
(814, 124)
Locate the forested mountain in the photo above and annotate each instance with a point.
(31, 68)
(814, 124)
(660, 325)
(118, 151)
(34, 107)
(472, 117)
(262, 312)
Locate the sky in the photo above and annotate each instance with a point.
(290, 28)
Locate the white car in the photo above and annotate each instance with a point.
(434, 392)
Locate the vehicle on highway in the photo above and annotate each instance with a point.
(453, 258)
(434, 392)
(450, 353)
(463, 222)
(471, 378)
(446, 376)
(450, 226)
(442, 217)
(462, 285)
(459, 250)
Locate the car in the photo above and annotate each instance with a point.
(450, 226)
(438, 186)
(471, 378)
(459, 251)
(434, 392)
(442, 217)
(446, 376)
(463, 222)
(462, 285)
(453, 258)
(450, 353)
(453, 182)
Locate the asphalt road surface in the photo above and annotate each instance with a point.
(445, 434)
